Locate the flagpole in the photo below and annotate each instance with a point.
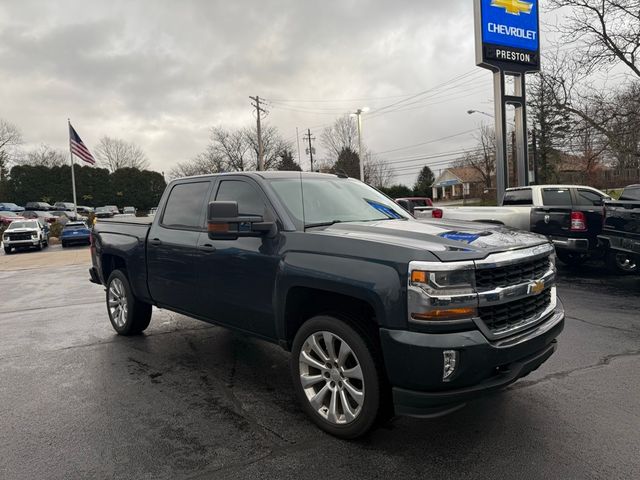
(73, 176)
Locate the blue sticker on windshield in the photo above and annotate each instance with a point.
(460, 236)
(389, 212)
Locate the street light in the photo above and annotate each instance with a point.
(358, 113)
(470, 112)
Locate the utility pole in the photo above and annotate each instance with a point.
(308, 137)
(360, 159)
(298, 140)
(259, 110)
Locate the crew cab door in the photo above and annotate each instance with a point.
(238, 276)
(172, 247)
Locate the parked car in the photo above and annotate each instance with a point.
(74, 233)
(374, 305)
(7, 217)
(104, 212)
(44, 216)
(25, 233)
(113, 208)
(415, 204)
(621, 231)
(64, 206)
(129, 211)
(152, 211)
(10, 207)
(38, 206)
(84, 209)
(70, 215)
(569, 215)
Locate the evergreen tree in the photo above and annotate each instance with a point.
(287, 163)
(422, 187)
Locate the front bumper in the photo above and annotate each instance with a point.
(414, 363)
(21, 243)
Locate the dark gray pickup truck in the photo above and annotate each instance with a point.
(382, 313)
(621, 231)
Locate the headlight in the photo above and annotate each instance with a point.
(454, 282)
(436, 295)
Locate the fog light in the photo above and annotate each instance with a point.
(449, 364)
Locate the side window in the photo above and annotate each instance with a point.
(587, 197)
(249, 199)
(518, 197)
(557, 197)
(184, 206)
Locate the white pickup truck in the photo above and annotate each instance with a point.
(569, 215)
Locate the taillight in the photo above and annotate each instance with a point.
(578, 222)
(436, 213)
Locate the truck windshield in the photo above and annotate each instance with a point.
(329, 200)
(14, 225)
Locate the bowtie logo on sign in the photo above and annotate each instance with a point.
(514, 7)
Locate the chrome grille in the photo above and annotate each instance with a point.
(491, 278)
(507, 316)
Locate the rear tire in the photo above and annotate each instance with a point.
(621, 263)
(128, 315)
(337, 374)
(572, 259)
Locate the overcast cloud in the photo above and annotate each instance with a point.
(161, 73)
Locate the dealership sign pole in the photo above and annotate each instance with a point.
(508, 43)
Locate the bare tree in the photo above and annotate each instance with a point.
(272, 146)
(10, 138)
(377, 172)
(202, 164)
(231, 146)
(342, 134)
(483, 158)
(608, 32)
(238, 149)
(114, 153)
(45, 156)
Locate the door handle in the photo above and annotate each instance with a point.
(156, 242)
(207, 247)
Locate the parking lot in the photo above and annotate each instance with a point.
(190, 400)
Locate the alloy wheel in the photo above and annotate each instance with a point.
(117, 302)
(331, 377)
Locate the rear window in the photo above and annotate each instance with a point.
(631, 194)
(560, 197)
(420, 202)
(75, 226)
(518, 197)
(587, 197)
(184, 206)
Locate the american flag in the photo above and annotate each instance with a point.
(78, 148)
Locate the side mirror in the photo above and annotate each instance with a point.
(224, 223)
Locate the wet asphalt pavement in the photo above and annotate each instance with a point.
(189, 400)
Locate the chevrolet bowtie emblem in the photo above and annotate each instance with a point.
(514, 7)
(536, 287)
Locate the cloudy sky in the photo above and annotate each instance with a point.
(162, 73)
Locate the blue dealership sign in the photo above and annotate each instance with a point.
(508, 34)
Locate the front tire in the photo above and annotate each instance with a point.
(128, 315)
(337, 375)
(7, 250)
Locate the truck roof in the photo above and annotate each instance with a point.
(550, 186)
(268, 174)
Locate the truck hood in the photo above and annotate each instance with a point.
(448, 240)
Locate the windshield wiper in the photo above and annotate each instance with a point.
(322, 224)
